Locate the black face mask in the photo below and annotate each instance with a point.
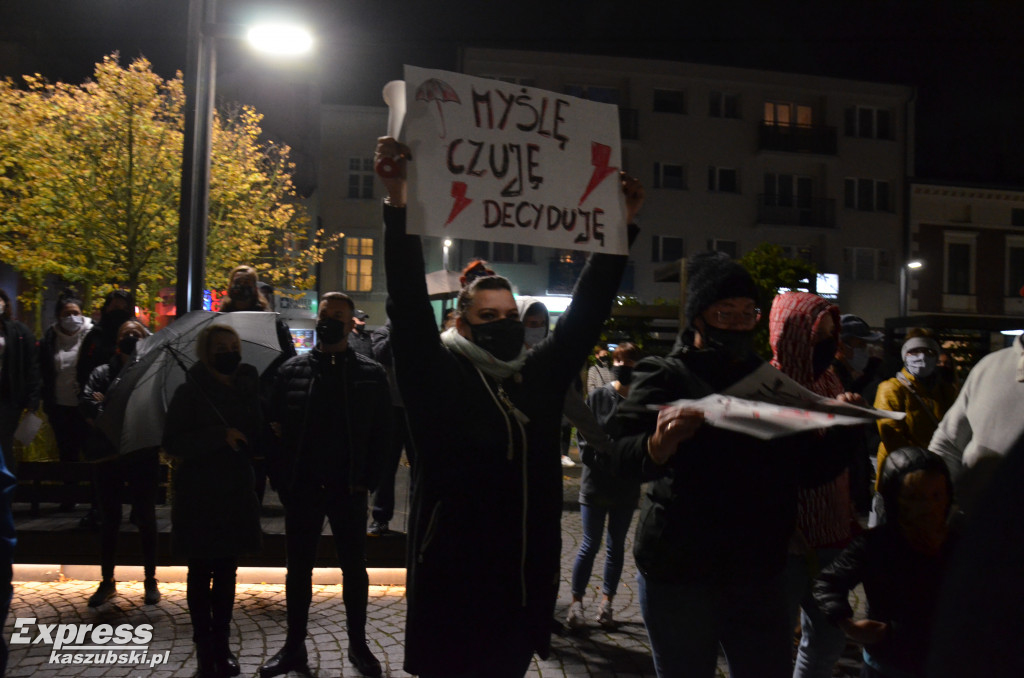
(127, 344)
(824, 353)
(501, 338)
(736, 343)
(227, 363)
(330, 330)
(623, 374)
(114, 319)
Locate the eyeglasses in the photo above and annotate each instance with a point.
(738, 317)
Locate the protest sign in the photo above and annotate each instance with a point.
(767, 404)
(501, 162)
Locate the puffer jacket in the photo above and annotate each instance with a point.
(364, 421)
(924, 412)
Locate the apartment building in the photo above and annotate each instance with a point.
(731, 158)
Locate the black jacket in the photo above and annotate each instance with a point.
(359, 433)
(19, 378)
(215, 513)
(902, 587)
(485, 524)
(723, 508)
(101, 380)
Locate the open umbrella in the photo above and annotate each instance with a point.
(135, 406)
(439, 92)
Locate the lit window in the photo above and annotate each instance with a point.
(359, 264)
(784, 114)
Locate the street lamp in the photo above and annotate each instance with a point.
(200, 85)
(905, 283)
(444, 255)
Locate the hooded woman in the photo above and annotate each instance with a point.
(484, 414)
(804, 336)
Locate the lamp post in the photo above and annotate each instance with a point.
(444, 253)
(200, 85)
(905, 283)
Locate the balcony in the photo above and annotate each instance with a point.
(818, 139)
(779, 211)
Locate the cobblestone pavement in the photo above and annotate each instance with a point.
(259, 626)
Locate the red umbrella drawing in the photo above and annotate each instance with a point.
(439, 92)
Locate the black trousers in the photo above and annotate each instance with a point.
(304, 521)
(140, 470)
(384, 497)
(211, 599)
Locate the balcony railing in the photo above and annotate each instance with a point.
(797, 138)
(778, 211)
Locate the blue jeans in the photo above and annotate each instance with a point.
(821, 641)
(593, 524)
(687, 622)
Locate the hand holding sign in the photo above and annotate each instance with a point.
(675, 425)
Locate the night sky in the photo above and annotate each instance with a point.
(966, 58)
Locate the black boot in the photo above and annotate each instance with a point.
(292, 657)
(227, 662)
(206, 657)
(364, 661)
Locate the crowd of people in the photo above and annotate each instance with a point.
(740, 540)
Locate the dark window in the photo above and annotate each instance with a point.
(1015, 271)
(727, 246)
(481, 249)
(669, 101)
(524, 254)
(882, 196)
(666, 248)
(866, 122)
(669, 176)
(1017, 216)
(958, 268)
(883, 125)
(865, 194)
(503, 252)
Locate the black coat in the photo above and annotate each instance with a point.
(485, 525)
(19, 379)
(215, 513)
(360, 432)
(723, 508)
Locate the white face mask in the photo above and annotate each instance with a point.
(535, 335)
(921, 365)
(72, 323)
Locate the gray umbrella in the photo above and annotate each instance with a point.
(135, 405)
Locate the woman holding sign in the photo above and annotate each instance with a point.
(484, 549)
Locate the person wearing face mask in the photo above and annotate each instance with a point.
(901, 563)
(58, 356)
(211, 430)
(917, 391)
(484, 413)
(331, 412)
(602, 497)
(19, 377)
(100, 342)
(139, 470)
(804, 335)
(720, 509)
(857, 361)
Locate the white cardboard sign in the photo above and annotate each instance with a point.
(501, 162)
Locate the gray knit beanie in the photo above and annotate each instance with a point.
(712, 276)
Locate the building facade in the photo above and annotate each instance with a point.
(731, 158)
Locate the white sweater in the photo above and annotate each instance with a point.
(987, 417)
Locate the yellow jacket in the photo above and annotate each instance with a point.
(917, 428)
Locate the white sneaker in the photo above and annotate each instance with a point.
(575, 619)
(567, 462)
(604, 615)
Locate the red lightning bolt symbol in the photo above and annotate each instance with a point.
(599, 156)
(461, 201)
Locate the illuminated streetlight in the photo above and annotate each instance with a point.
(444, 257)
(912, 265)
(200, 85)
(280, 39)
